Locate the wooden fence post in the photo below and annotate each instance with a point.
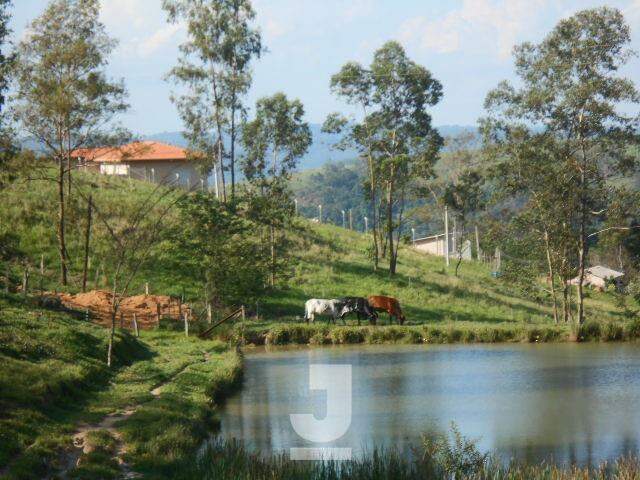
(135, 325)
(243, 315)
(146, 288)
(209, 314)
(186, 325)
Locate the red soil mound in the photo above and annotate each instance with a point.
(145, 307)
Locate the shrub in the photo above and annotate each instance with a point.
(613, 332)
(434, 335)
(589, 331)
(413, 336)
(347, 335)
(319, 338)
(633, 329)
(455, 335)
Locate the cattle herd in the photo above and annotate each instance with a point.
(362, 307)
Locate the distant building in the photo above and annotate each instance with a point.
(151, 161)
(598, 276)
(433, 245)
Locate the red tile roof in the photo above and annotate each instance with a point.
(134, 152)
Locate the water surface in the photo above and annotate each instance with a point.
(562, 402)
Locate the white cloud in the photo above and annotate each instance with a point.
(129, 13)
(354, 9)
(158, 39)
(275, 28)
(495, 24)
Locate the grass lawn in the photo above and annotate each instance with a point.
(54, 378)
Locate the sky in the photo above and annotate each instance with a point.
(466, 44)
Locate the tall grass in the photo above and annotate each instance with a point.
(440, 457)
(463, 332)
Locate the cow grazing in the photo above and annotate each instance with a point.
(389, 305)
(360, 306)
(317, 306)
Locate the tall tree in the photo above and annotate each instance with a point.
(394, 135)
(64, 99)
(572, 90)
(274, 142)
(7, 149)
(215, 68)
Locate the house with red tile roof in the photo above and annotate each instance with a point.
(149, 160)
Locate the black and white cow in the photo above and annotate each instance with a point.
(318, 306)
(360, 306)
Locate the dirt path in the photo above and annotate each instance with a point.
(82, 446)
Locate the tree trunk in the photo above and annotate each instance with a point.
(459, 251)
(232, 158)
(221, 165)
(112, 334)
(272, 241)
(551, 277)
(565, 301)
(87, 239)
(374, 226)
(62, 247)
(392, 260)
(582, 248)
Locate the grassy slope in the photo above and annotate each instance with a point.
(328, 262)
(332, 262)
(54, 377)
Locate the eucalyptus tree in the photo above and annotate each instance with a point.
(63, 97)
(572, 89)
(394, 133)
(273, 143)
(215, 68)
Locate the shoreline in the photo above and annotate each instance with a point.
(322, 334)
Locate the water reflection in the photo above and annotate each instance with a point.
(569, 403)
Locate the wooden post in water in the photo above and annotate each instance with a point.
(135, 325)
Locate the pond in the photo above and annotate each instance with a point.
(563, 402)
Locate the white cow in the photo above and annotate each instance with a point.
(318, 306)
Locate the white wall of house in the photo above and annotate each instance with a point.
(183, 174)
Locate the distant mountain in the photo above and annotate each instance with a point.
(321, 151)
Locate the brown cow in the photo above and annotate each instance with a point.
(389, 305)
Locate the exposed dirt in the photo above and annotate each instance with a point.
(145, 307)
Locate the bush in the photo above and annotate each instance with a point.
(613, 332)
(589, 331)
(633, 329)
(348, 335)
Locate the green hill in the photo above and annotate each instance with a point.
(327, 262)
